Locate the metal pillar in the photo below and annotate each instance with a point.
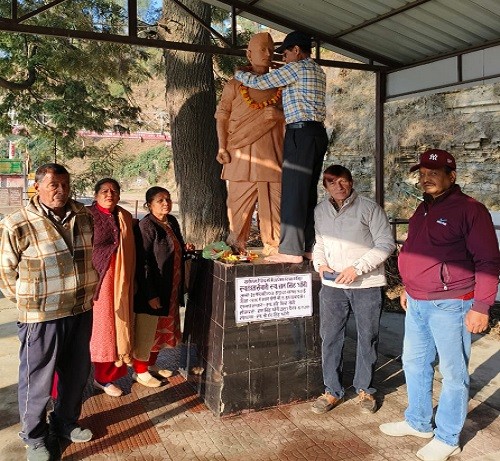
(380, 95)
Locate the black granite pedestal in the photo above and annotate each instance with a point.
(250, 366)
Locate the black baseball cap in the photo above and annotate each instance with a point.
(295, 38)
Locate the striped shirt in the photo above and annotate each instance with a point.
(304, 89)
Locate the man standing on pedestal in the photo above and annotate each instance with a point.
(306, 141)
(250, 129)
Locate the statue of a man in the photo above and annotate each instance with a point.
(250, 130)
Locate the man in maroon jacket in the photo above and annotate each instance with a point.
(450, 266)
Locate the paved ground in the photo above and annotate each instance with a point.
(171, 423)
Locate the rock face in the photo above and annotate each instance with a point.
(479, 153)
(466, 123)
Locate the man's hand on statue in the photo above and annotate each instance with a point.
(223, 157)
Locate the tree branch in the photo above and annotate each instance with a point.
(28, 83)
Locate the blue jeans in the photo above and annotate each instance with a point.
(334, 306)
(437, 327)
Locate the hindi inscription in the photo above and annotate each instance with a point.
(273, 297)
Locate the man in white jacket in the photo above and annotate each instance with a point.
(353, 239)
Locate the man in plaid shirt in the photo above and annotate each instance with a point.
(306, 141)
(46, 269)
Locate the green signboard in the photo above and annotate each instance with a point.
(8, 166)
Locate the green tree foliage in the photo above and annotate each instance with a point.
(65, 85)
(149, 165)
(98, 166)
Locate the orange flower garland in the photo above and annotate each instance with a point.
(259, 105)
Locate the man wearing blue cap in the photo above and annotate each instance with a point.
(304, 90)
(449, 265)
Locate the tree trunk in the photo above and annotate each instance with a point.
(190, 100)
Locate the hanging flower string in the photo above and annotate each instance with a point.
(259, 105)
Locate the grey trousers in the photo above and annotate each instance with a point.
(60, 345)
(334, 307)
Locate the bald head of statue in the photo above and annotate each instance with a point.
(260, 52)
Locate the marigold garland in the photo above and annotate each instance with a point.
(259, 105)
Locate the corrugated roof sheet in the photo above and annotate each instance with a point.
(396, 33)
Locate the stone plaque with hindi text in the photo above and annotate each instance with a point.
(273, 297)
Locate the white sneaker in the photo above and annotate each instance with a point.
(163, 373)
(109, 388)
(436, 450)
(402, 428)
(146, 379)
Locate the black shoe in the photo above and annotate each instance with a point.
(52, 444)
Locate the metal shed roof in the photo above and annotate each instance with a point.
(419, 45)
(453, 42)
(413, 46)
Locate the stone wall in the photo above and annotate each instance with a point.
(467, 123)
(478, 155)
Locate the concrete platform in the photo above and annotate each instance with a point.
(171, 423)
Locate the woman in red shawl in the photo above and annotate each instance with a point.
(114, 259)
